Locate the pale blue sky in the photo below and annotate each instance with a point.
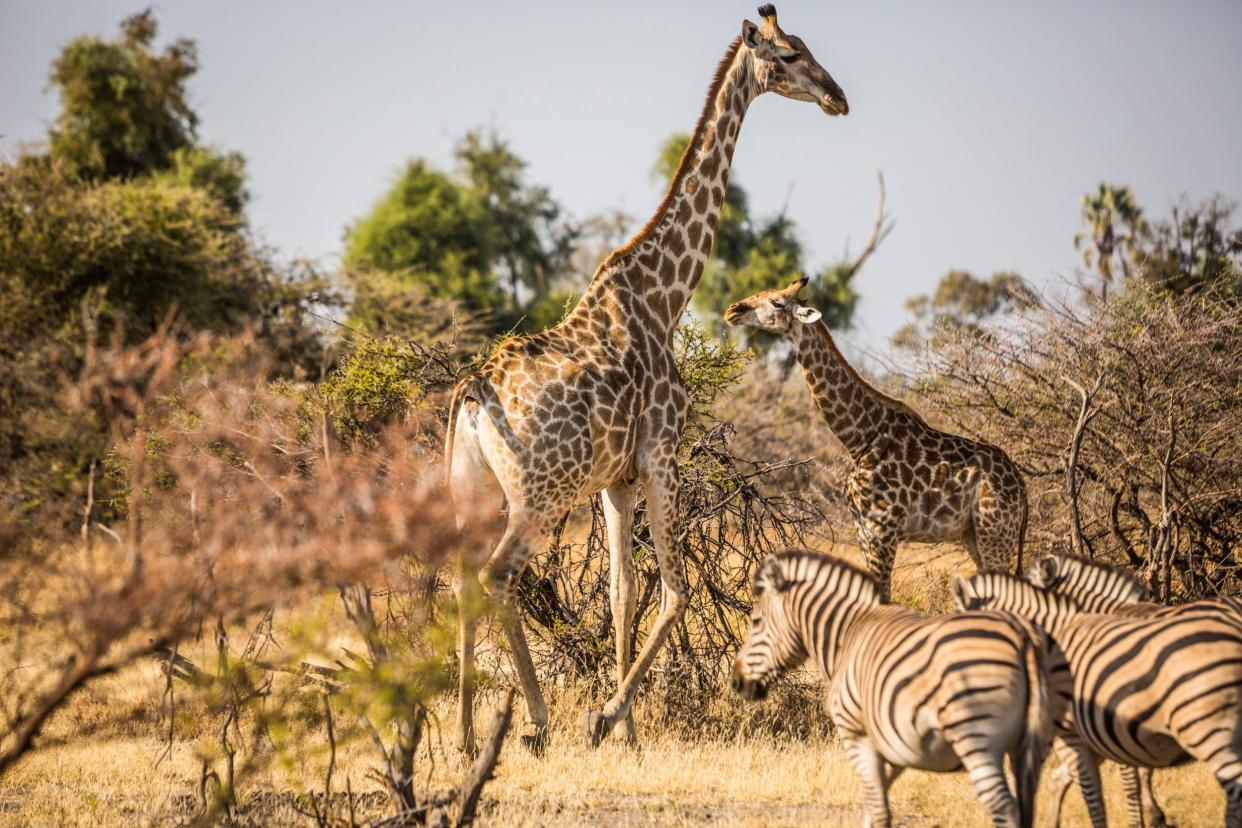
(989, 119)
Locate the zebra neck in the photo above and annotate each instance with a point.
(828, 632)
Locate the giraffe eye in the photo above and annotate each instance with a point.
(794, 58)
(778, 304)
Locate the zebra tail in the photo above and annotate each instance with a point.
(1037, 734)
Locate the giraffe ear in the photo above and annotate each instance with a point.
(807, 315)
(756, 41)
(963, 593)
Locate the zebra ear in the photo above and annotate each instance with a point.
(1048, 569)
(963, 593)
(771, 576)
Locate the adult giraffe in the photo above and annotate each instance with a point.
(595, 403)
(910, 482)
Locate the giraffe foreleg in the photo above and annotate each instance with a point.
(622, 588)
(660, 482)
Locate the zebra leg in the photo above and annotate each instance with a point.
(1062, 776)
(986, 771)
(1134, 796)
(870, 767)
(1087, 772)
(1233, 807)
(1141, 805)
(1153, 814)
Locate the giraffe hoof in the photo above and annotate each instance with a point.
(596, 728)
(536, 741)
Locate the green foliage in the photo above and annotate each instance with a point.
(708, 366)
(128, 252)
(459, 238)
(387, 381)
(377, 382)
(427, 231)
(525, 237)
(961, 304)
(124, 108)
(1196, 248)
(216, 172)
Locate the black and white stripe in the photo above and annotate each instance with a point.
(906, 690)
(1101, 587)
(1147, 686)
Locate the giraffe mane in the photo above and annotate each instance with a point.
(821, 330)
(687, 157)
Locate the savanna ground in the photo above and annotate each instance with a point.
(106, 759)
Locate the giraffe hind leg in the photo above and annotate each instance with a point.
(522, 539)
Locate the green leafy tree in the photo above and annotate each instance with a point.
(527, 239)
(218, 173)
(1195, 248)
(961, 303)
(124, 108)
(427, 232)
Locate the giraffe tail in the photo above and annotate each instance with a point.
(1026, 513)
(463, 390)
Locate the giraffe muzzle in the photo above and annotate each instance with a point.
(834, 105)
(734, 313)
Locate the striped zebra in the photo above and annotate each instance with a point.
(906, 690)
(1148, 689)
(1101, 587)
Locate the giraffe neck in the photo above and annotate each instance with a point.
(857, 413)
(660, 267)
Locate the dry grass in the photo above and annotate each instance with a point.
(100, 763)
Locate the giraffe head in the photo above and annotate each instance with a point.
(784, 65)
(777, 311)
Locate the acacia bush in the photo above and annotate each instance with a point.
(1125, 417)
(227, 507)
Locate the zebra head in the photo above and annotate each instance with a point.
(1096, 586)
(1002, 591)
(772, 644)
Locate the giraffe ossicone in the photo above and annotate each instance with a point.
(595, 404)
(910, 481)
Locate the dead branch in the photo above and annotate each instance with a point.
(1085, 415)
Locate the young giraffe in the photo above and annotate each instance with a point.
(595, 403)
(910, 482)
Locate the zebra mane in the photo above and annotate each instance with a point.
(813, 563)
(1117, 570)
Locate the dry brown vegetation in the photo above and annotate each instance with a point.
(240, 615)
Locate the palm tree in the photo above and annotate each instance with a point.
(1114, 221)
